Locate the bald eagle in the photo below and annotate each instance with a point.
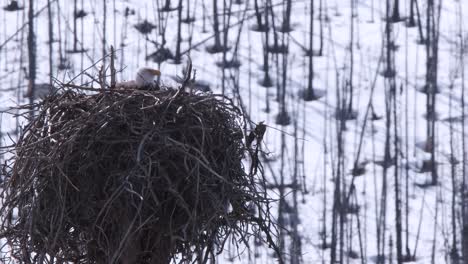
(144, 80)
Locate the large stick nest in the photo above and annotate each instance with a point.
(132, 177)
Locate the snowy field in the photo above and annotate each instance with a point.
(330, 176)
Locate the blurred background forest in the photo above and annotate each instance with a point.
(365, 150)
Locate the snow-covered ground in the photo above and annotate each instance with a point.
(313, 123)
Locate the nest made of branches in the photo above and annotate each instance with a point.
(131, 176)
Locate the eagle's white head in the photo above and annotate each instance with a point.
(145, 76)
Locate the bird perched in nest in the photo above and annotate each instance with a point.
(144, 80)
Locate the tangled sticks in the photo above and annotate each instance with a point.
(132, 177)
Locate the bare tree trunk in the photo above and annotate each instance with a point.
(338, 208)
(204, 30)
(281, 204)
(349, 111)
(217, 45)
(276, 46)
(398, 224)
(387, 160)
(392, 107)
(411, 21)
(286, 26)
(258, 16)
(51, 40)
(266, 82)
(226, 23)
(283, 116)
(188, 19)
(296, 245)
(420, 29)
(463, 191)
(408, 255)
(104, 32)
(309, 95)
(396, 11)
(464, 165)
(75, 33)
(31, 54)
(167, 5)
(431, 86)
(177, 58)
(62, 62)
(453, 167)
(321, 18)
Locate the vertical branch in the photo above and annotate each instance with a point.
(276, 48)
(338, 210)
(310, 95)
(296, 238)
(434, 239)
(321, 18)
(104, 31)
(326, 123)
(387, 155)
(177, 58)
(282, 201)
(51, 40)
(114, 28)
(420, 29)
(351, 58)
(396, 11)
(398, 224)
(187, 19)
(283, 116)
(258, 16)
(102, 77)
(431, 86)
(266, 82)
(75, 33)
(204, 30)
(286, 26)
(62, 62)
(408, 255)
(453, 163)
(31, 53)
(167, 5)
(112, 68)
(411, 20)
(217, 38)
(226, 24)
(464, 197)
